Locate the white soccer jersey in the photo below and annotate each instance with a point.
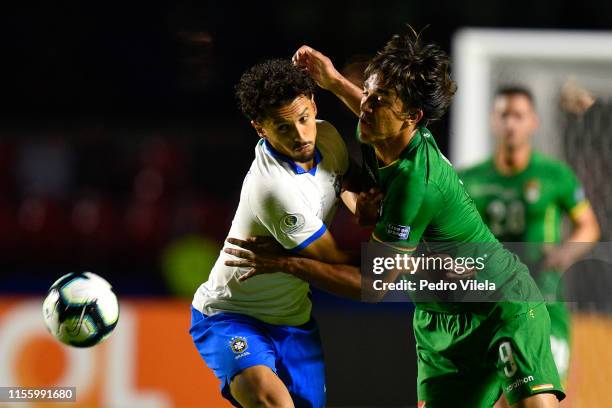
(282, 200)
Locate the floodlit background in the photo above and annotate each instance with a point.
(122, 152)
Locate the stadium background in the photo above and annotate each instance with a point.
(122, 152)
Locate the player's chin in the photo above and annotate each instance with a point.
(368, 133)
(304, 156)
(365, 135)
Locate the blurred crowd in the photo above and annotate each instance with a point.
(146, 206)
(84, 198)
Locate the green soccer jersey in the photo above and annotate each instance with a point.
(426, 202)
(527, 206)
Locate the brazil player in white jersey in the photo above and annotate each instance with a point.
(258, 335)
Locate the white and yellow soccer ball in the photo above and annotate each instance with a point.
(81, 309)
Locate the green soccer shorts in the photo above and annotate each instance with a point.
(468, 359)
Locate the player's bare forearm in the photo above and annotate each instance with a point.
(326, 250)
(347, 92)
(341, 280)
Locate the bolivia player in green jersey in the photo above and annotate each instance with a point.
(522, 196)
(468, 353)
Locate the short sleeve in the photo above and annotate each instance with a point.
(571, 194)
(406, 212)
(284, 212)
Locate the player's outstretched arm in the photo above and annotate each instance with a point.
(322, 249)
(322, 70)
(341, 280)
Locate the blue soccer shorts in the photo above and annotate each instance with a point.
(232, 342)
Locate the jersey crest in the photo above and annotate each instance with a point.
(532, 190)
(291, 223)
(239, 344)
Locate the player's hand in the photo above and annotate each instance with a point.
(574, 98)
(259, 254)
(318, 66)
(367, 207)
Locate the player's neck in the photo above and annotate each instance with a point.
(510, 161)
(307, 166)
(388, 150)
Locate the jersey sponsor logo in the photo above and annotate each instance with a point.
(532, 191)
(239, 344)
(400, 232)
(292, 223)
(519, 382)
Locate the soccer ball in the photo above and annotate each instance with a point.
(81, 309)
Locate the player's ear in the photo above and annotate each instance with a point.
(259, 129)
(415, 116)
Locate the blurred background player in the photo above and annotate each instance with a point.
(523, 195)
(258, 335)
(480, 347)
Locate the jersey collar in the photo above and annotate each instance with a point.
(411, 146)
(297, 169)
(415, 141)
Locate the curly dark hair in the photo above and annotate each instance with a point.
(420, 74)
(269, 85)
